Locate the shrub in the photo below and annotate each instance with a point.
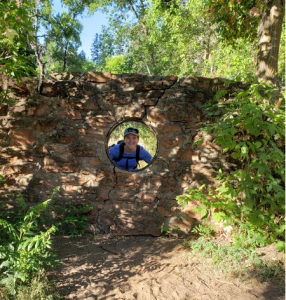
(251, 197)
(25, 245)
(73, 219)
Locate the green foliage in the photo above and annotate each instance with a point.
(169, 232)
(74, 220)
(64, 41)
(226, 258)
(116, 64)
(16, 58)
(205, 231)
(230, 257)
(178, 37)
(234, 18)
(24, 245)
(15, 26)
(252, 196)
(2, 180)
(164, 229)
(240, 63)
(39, 287)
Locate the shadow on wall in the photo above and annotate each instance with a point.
(59, 138)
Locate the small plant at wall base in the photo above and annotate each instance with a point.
(25, 245)
(226, 257)
(74, 220)
(251, 198)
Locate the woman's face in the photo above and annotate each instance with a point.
(131, 141)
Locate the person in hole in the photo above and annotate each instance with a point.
(128, 153)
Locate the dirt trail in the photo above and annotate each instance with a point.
(146, 268)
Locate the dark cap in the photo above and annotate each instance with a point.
(132, 130)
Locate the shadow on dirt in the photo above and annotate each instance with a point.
(93, 267)
(109, 267)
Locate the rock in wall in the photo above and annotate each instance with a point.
(59, 138)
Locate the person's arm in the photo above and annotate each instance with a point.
(145, 155)
(114, 152)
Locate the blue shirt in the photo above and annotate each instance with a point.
(131, 164)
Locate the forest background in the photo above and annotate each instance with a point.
(157, 37)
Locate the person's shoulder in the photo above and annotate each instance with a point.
(114, 147)
(142, 149)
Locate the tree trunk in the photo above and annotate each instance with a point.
(65, 57)
(269, 34)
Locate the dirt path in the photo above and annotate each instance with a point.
(146, 268)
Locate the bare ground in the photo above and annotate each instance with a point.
(147, 268)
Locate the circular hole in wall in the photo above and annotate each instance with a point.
(123, 151)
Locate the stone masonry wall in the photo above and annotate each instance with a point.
(59, 138)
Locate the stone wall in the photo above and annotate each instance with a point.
(59, 138)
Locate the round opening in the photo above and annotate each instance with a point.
(131, 145)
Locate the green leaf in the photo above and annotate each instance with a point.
(6, 281)
(280, 246)
(4, 264)
(244, 149)
(11, 33)
(218, 216)
(257, 144)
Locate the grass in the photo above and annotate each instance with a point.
(226, 258)
(39, 288)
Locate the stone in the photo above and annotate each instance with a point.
(149, 102)
(100, 121)
(70, 180)
(4, 110)
(156, 115)
(90, 105)
(69, 190)
(185, 154)
(124, 194)
(94, 161)
(130, 78)
(118, 98)
(169, 128)
(99, 77)
(73, 114)
(168, 184)
(156, 94)
(22, 137)
(171, 141)
(196, 82)
(61, 164)
(21, 89)
(41, 110)
(182, 112)
(103, 193)
(180, 224)
(130, 181)
(105, 178)
(148, 196)
(81, 150)
(154, 85)
(48, 88)
(134, 111)
(45, 124)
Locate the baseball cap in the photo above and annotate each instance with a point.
(132, 130)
